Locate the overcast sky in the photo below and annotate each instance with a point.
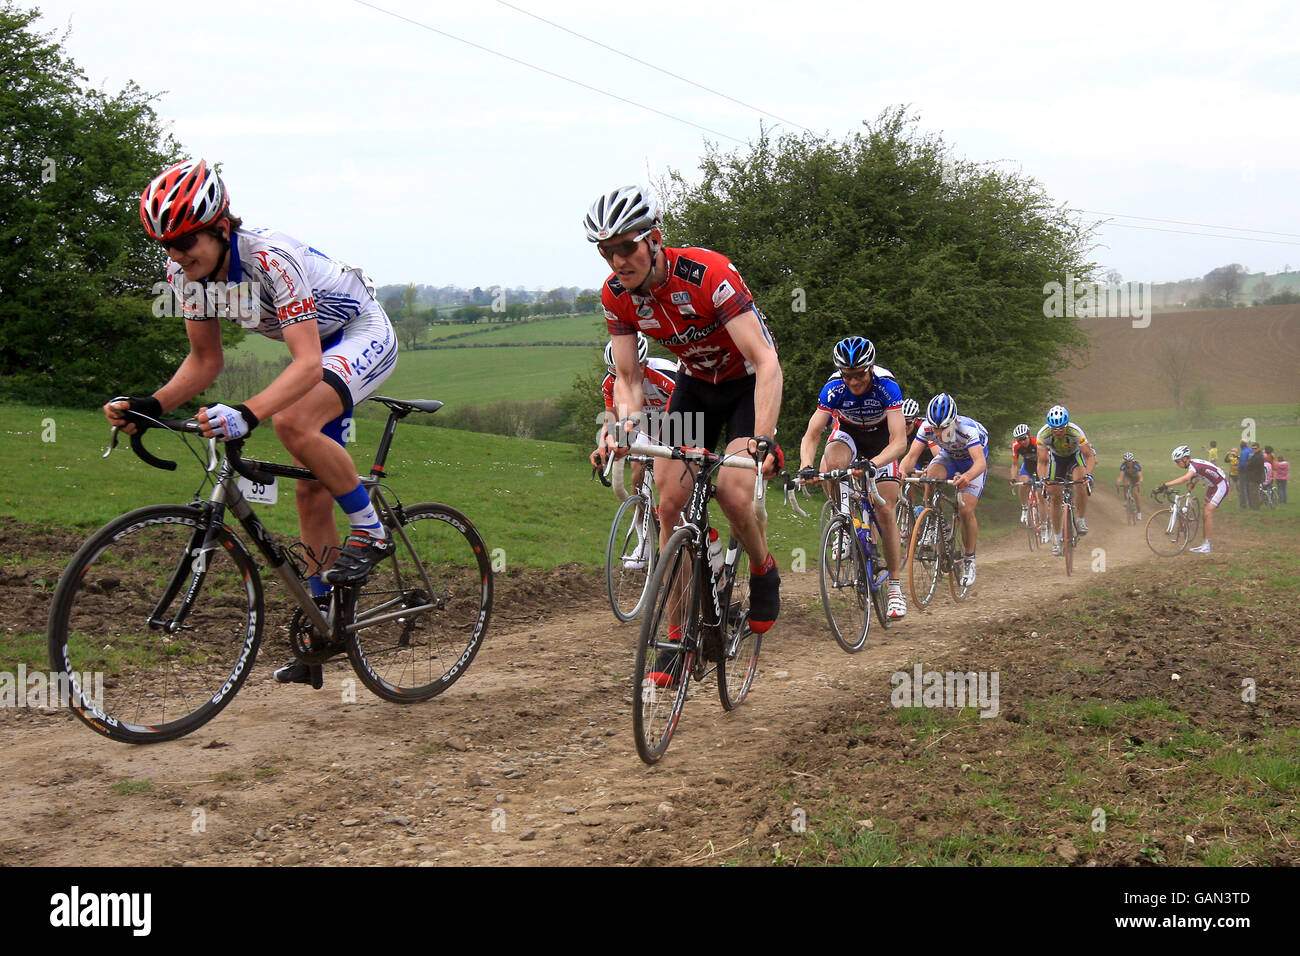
(424, 159)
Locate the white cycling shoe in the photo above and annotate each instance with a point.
(897, 605)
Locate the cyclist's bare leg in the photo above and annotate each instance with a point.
(735, 493)
(1207, 512)
(1080, 491)
(299, 429)
(836, 455)
(674, 487)
(969, 526)
(1022, 489)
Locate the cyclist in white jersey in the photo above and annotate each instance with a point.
(960, 447)
(341, 343)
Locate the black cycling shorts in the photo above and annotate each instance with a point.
(698, 411)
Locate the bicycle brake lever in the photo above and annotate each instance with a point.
(112, 442)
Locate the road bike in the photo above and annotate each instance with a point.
(1069, 518)
(1132, 507)
(1171, 529)
(851, 564)
(167, 603)
(696, 621)
(633, 543)
(1038, 519)
(936, 546)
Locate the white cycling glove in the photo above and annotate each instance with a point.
(229, 423)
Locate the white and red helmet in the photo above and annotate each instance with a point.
(627, 209)
(183, 199)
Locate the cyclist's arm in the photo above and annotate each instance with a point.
(629, 396)
(1016, 460)
(913, 454)
(199, 369)
(298, 378)
(1191, 473)
(754, 344)
(808, 444)
(897, 438)
(1089, 456)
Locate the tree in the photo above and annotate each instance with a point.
(942, 263)
(1175, 363)
(1225, 281)
(76, 268)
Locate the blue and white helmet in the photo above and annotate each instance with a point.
(942, 411)
(626, 209)
(642, 352)
(1058, 416)
(853, 352)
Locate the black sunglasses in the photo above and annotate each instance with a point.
(181, 243)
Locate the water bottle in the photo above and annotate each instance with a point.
(715, 553)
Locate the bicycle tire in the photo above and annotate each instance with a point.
(1032, 524)
(627, 586)
(1161, 540)
(741, 645)
(657, 709)
(923, 558)
(844, 585)
(903, 517)
(1067, 537)
(879, 570)
(958, 552)
(156, 686)
(418, 655)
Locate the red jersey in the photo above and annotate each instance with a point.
(688, 312)
(1025, 449)
(658, 376)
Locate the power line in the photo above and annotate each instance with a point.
(634, 59)
(540, 69)
(1188, 232)
(1182, 222)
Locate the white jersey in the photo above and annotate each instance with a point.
(275, 281)
(966, 434)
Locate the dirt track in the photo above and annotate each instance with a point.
(527, 760)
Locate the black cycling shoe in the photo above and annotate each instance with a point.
(361, 552)
(300, 672)
(764, 600)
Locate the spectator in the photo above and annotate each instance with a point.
(1243, 481)
(1254, 476)
(1281, 470)
(1212, 453)
(1230, 459)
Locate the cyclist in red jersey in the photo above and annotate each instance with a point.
(695, 303)
(1024, 464)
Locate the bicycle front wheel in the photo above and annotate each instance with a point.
(422, 614)
(844, 585)
(665, 651)
(958, 553)
(903, 515)
(1167, 533)
(923, 558)
(1068, 537)
(629, 556)
(740, 646)
(152, 635)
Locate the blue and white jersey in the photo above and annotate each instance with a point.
(966, 434)
(275, 281)
(867, 410)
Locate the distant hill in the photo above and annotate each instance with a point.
(1240, 355)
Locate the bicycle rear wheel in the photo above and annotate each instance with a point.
(662, 671)
(630, 556)
(903, 515)
(844, 585)
(923, 558)
(422, 614)
(109, 635)
(740, 645)
(1165, 539)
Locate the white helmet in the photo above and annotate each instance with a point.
(628, 209)
(911, 409)
(1181, 452)
(642, 352)
(1021, 431)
